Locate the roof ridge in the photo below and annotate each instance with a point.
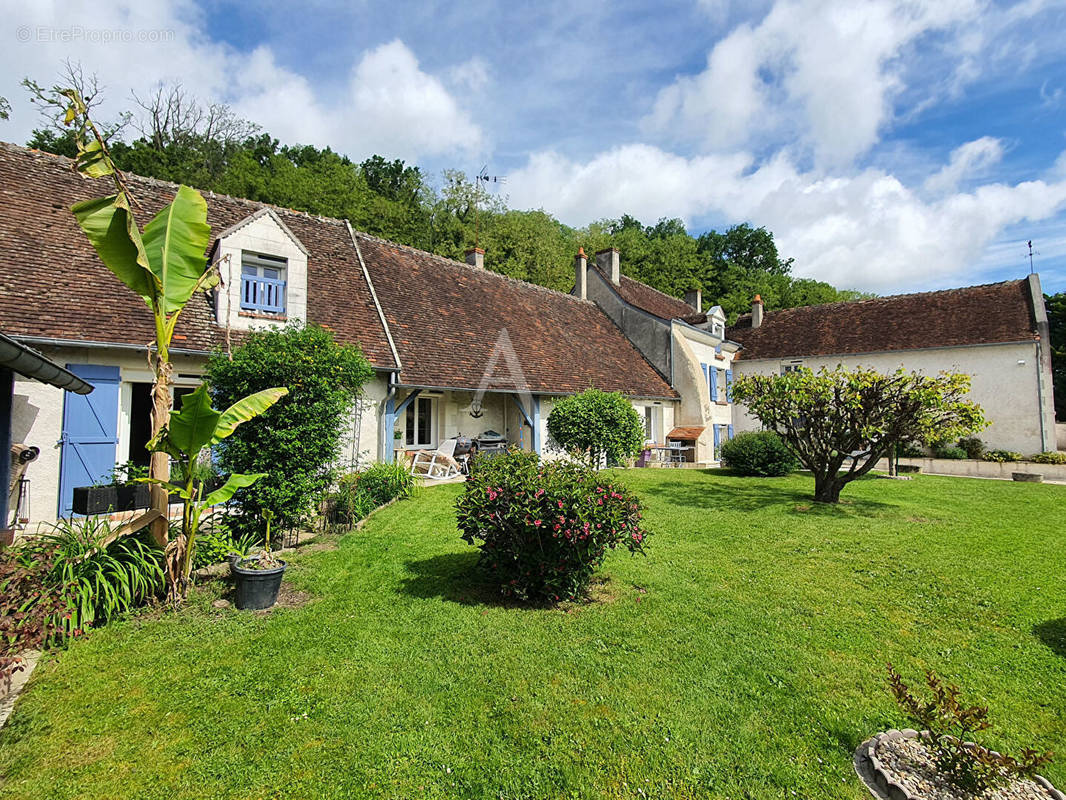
(647, 286)
(478, 270)
(872, 300)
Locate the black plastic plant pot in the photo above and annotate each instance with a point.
(132, 496)
(94, 499)
(257, 588)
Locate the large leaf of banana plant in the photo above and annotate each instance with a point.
(175, 242)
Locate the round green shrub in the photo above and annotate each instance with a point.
(544, 528)
(1002, 456)
(909, 450)
(1050, 457)
(973, 446)
(598, 425)
(761, 453)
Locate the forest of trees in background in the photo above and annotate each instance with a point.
(173, 137)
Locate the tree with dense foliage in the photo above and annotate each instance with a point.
(1056, 317)
(834, 416)
(599, 426)
(296, 442)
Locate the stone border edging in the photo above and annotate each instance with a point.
(868, 767)
(18, 683)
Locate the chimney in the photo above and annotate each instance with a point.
(607, 262)
(694, 297)
(756, 312)
(581, 274)
(475, 257)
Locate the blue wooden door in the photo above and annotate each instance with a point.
(90, 432)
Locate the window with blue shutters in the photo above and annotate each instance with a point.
(729, 386)
(263, 283)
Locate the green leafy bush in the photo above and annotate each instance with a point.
(948, 451)
(1049, 457)
(297, 441)
(544, 528)
(1002, 456)
(32, 605)
(759, 453)
(603, 427)
(973, 446)
(952, 727)
(348, 503)
(385, 482)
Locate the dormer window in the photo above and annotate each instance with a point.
(263, 282)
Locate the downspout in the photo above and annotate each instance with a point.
(1040, 396)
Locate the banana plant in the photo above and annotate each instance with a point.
(165, 265)
(192, 430)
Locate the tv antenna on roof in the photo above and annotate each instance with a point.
(483, 179)
(1030, 243)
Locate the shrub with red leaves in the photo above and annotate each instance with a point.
(544, 528)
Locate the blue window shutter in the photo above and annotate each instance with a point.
(717, 439)
(729, 385)
(718, 349)
(706, 380)
(714, 385)
(730, 431)
(90, 432)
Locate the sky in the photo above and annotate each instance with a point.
(889, 146)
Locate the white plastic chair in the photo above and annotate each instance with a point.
(676, 453)
(438, 464)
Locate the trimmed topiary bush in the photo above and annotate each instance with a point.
(949, 452)
(761, 453)
(1002, 456)
(1050, 457)
(544, 528)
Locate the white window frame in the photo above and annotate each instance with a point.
(653, 418)
(790, 367)
(411, 413)
(264, 261)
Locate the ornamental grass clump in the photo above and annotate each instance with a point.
(544, 528)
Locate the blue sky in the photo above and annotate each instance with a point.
(890, 146)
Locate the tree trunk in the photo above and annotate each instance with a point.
(827, 490)
(159, 468)
(893, 460)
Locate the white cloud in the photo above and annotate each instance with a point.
(822, 73)
(389, 105)
(965, 161)
(864, 230)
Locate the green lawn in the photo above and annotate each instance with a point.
(742, 658)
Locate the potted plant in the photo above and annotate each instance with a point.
(95, 499)
(130, 492)
(257, 578)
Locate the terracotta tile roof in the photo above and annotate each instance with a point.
(53, 285)
(447, 317)
(987, 314)
(653, 301)
(688, 433)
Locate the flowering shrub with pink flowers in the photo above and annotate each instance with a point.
(544, 527)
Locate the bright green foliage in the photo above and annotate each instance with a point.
(545, 528)
(383, 483)
(948, 450)
(599, 426)
(761, 453)
(98, 578)
(296, 442)
(1002, 456)
(1049, 457)
(832, 416)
